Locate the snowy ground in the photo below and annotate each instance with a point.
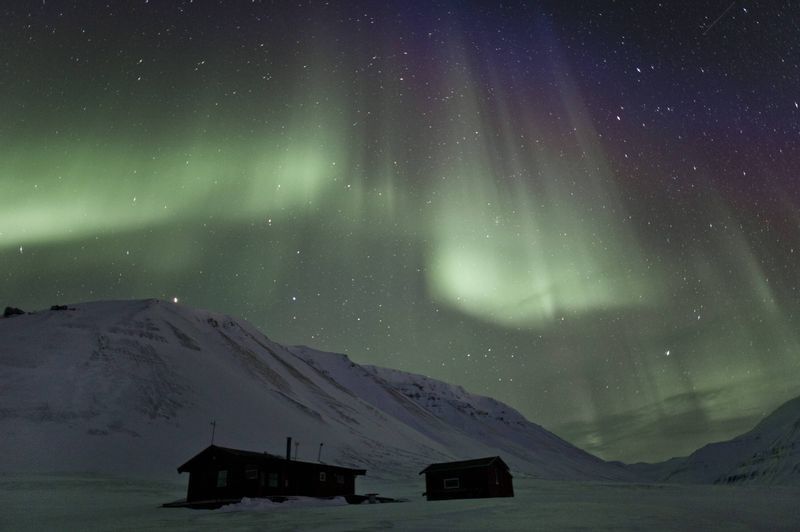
(74, 502)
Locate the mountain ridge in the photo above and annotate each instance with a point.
(120, 386)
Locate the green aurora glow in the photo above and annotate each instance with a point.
(490, 238)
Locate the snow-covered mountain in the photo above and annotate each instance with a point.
(132, 387)
(768, 454)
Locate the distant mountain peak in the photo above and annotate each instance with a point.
(767, 454)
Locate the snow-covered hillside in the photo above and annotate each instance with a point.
(768, 454)
(468, 425)
(132, 387)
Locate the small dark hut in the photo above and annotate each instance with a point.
(468, 479)
(220, 475)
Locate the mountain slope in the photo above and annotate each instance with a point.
(768, 454)
(132, 386)
(469, 425)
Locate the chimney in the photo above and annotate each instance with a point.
(289, 448)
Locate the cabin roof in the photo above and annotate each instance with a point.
(259, 457)
(465, 464)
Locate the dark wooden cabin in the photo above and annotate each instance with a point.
(223, 475)
(468, 479)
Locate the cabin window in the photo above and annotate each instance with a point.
(222, 478)
(451, 483)
(273, 480)
(340, 479)
(496, 478)
(251, 472)
(322, 476)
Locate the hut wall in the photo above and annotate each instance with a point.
(263, 478)
(475, 482)
(472, 483)
(500, 482)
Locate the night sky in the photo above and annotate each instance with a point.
(588, 210)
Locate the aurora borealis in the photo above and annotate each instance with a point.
(587, 210)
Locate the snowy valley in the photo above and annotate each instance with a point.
(100, 402)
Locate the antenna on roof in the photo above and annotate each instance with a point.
(319, 455)
(213, 430)
(296, 445)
